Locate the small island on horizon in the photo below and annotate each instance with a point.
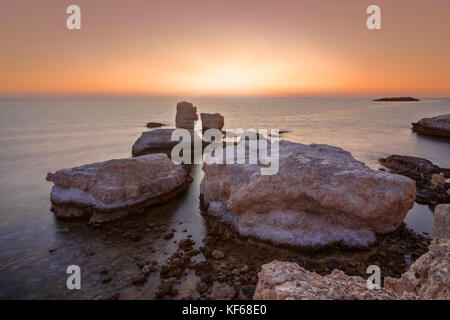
(397, 99)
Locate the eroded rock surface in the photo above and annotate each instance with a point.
(441, 226)
(212, 121)
(186, 115)
(155, 141)
(439, 126)
(287, 280)
(113, 189)
(428, 277)
(320, 196)
(431, 187)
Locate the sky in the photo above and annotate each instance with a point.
(227, 48)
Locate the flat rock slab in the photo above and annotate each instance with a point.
(438, 126)
(113, 189)
(321, 196)
(155, 141)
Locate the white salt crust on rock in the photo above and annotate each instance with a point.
(116, 188)
(320, 196)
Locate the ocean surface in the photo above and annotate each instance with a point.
(43, 135)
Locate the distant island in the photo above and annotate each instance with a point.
(398, 99)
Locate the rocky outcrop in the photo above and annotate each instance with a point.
(154, 124)
(155, 141)
(320, 196)
(428, 277)
(288, 281)
(441, 226)
(186, 115)
(113, 189)
(438, 126)
(212, 121)
(430, 179)
(397, 99)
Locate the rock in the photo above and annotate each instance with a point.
(168, 235)
(155, 141)
(287, 280)
(186, 244)
(201, 287)
(431, 187)
(221, 291)
(428, 277)
(139, 279)
(438, 126)
(212, 121)
(146, 270)
(320, 196)
(154, 124)
(114, 189)
(186, 115)
(165, 289)
(217, 254)
(397, 99)
(441, 227)
(106, 279)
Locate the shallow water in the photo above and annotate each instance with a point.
(42, 135)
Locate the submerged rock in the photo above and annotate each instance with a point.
(439, 126)
(287, 281)
(431, 187)
(154, 124)
(186, 115)
(441, 226)
(320, 196)
(212, 121)
(113, 189)
(428, 277)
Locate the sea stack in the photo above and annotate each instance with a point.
(321, 196)
(437, 126)
(186, 115)
(114, 189)
(212, 121)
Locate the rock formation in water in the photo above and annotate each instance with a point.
(212, 121)
(288, 281)
(320, 196)
(154, 124)
(186, 115)
(438, 126)
(397, 99)
(113, 189)
(441, 226)
(155, 141)
(428, 277)
(430, 179)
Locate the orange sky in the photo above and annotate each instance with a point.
(232, 47)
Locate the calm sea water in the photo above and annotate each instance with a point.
(42, 135)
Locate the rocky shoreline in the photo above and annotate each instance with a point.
(436, 126)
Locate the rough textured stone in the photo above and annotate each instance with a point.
(431, 187)
(320, 196)
(287, 280)
(212, 121)
(155, 141)
(439, 126)
(116, 188)
(428, 277)
(186, 115)
(441, 227)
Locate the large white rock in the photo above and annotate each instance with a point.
(320, 196)
(428, 277)
(441, 227)
(287, 281)
(113, 189)
(186, 115)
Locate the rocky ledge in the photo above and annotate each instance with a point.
(321, 196)
(113, 189)
(212, 121)
(155, 141)
(431, 186)
(397, 99)
(438, 126)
